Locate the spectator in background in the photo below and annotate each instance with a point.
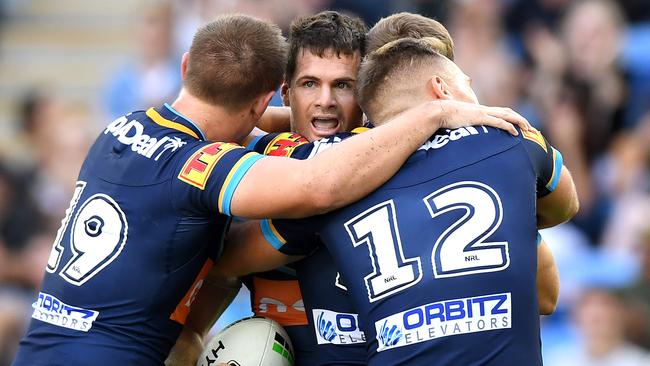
(581, 93)
(628, 178)
(55, 138)
(150, 76)
(637, 297)
(482, 52)
(599, 316)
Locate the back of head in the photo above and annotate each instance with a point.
(325, 31)
(409, 25)
(393, 77)
(235, 59)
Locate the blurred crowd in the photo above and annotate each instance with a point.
(578, 70)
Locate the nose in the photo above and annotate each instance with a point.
(326, 98)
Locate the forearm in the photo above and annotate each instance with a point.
(275, 119)
(548, 280)
(282, 187)
(364, 162)
(212, 299)
(187, 349)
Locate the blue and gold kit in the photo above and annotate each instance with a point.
(151, 202)
(307, 297)
(440, 262)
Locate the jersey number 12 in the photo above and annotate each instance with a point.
(460, 250)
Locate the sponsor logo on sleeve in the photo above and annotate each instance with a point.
(444, 319)
(199, 166)
(284, 144)
(337, 328)
(51, 310)
(131, 132)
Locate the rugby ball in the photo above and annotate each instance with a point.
(254, 341)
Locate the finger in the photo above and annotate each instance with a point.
(501, 124)
(511, 116)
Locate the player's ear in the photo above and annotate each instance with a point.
(259, 105)
(184, 61)
(438, 88)
(284, 91)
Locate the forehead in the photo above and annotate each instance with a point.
(329, 65)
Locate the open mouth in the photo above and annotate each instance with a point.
(325, 126)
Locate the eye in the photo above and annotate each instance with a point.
(342, 85)
(309, 84)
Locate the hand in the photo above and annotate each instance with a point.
(458, 114)
(187, 349)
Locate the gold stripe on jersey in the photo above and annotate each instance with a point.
(360, 130)
(536, 137)
(229, 177)
(156, 117)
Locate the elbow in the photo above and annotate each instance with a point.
(547, 306)
(322, 201)
(324, 196)
(570, 210)
(573, 208)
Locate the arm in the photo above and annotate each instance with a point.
(275, 119)
(560, 205)
(548, 280)
(250, 253)
(212, 299)
(281, 187)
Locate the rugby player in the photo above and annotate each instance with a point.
(325, 50)
(158, 186)
(322, 67)
(438, 260)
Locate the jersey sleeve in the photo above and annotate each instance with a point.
(286, 144)
(292, 237)
(209, 175)
(546, 160)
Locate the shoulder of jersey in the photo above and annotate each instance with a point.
(535, 136)
(284, 144)
(199, 165)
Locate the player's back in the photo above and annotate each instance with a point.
(441, 260)
(129, 248)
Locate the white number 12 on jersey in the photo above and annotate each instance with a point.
(460, 250)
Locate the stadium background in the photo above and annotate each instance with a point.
(579, 70)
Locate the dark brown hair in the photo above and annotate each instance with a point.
(409, 25)
(234, 59)
(327, 30)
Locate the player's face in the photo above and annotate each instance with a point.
(321, 94)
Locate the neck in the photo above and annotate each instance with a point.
(217, 122)
(395, 106)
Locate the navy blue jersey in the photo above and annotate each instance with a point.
(150, 209)
(440, 262)
(279, 294)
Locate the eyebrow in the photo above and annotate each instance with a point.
(312, 77)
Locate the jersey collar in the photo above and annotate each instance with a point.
(168, 117)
